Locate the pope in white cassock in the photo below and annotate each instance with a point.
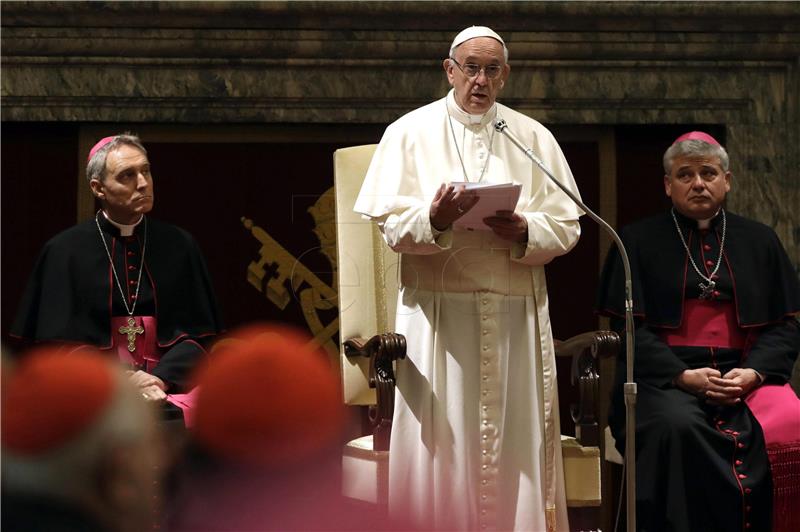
(475, 439)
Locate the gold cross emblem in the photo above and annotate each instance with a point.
(131, 330)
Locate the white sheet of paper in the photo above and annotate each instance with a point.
(493, 197)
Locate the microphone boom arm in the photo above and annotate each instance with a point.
(629, 388)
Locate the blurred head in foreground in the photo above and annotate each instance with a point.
(267, 436)
(80, 449)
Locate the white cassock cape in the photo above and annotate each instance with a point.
(475, 439)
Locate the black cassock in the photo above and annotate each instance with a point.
(700, 467)
(72, 293)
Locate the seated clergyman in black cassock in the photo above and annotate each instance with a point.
(124, 282)
(715, 303)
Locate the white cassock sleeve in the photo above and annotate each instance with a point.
(395, 197)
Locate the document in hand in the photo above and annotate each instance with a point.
(493, 198)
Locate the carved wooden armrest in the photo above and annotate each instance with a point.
(382, 350)
(585, 350)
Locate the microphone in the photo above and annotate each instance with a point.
(629, 387)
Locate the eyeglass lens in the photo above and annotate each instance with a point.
(471, 70)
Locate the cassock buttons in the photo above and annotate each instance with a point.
(131, 253)
(714, 277)
(738, 462)
(715, 293)
(131, 267)
(709, 263)
(742, 476)
(132, 282)
(706, 247)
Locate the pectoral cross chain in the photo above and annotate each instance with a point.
(131, 330)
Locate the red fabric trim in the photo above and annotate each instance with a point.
(185, 335)
(736, 444)
(614, 313)
(110, 342)
(125, 268)
(682, 317)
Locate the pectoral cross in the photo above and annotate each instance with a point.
(707, 290)
(131, 330)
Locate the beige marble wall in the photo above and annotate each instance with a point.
(597, 63)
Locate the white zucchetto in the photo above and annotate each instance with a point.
(473, 32)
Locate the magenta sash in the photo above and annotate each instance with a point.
(146, 355)
(777, 409)
(707, 324)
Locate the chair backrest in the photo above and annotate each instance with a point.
(367, 271)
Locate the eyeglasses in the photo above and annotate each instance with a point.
(472, 70)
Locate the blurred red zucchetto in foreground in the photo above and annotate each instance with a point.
(52, 397)
(268, 396)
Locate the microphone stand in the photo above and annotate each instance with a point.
(629, 387)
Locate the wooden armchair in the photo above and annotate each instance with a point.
(367, 278)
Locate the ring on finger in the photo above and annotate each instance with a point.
(460, 209)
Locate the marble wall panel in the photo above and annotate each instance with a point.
(582, 63)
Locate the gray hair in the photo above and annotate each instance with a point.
(96, 167)
(505, 50)
(695, 147)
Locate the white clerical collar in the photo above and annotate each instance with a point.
(466, 118)
(124, 230)
(705, 224)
